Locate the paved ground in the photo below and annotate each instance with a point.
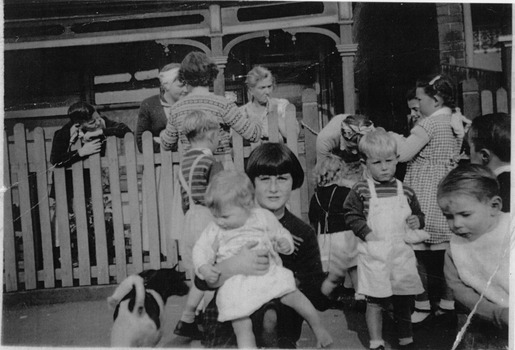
(88, 323)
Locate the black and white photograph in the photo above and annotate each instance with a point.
(344, 168)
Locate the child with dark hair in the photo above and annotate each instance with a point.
(198, 72)
(490, 145)
(432, 150)
(477, 263)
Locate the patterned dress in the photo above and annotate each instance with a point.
(439, 156)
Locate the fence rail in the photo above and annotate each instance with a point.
(119, 222)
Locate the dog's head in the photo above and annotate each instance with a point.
(166, 282)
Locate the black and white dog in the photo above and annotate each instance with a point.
(139, 304)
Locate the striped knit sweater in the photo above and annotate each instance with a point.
(205, 169)
(225, 111)
(356, 204)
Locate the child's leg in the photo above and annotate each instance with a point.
(374, 318)
(244, 334)
(194, 297)
(402, 314)
(300, 303)
(422, 304)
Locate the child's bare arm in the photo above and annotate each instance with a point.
(413, 222)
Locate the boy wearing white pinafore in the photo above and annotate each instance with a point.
(385, 215)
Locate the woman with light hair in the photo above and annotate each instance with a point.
(260, 84)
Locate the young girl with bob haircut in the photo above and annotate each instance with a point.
(237, 221)
(477, 263)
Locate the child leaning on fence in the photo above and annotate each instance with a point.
(477, 263)
(198, 166)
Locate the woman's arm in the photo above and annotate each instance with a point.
(468, 297)
(409, 147)
(169, 136)
(329, 137)
(247, 262)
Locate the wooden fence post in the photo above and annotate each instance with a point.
(29, 263)
(63, 227)
(116, 202)
(310, 118)
(44, 208)
(134, 205)
(10, 264)
(150, 197)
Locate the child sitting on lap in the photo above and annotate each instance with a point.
(479, 251)
(230, 197)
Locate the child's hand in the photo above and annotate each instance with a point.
(91, 134)
(210, 273)
(90, 148)
(413, 222)
(282, 245)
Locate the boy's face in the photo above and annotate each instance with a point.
(467, 216)
(231, 216)
(93, 124)
(382, 168)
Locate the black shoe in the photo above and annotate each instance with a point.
(189, 330)
(445, 318)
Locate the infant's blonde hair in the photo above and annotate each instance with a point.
(229, 187)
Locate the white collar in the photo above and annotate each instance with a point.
(502, 169)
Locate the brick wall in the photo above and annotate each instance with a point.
(451, 33)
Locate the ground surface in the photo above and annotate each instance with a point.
(88, 324)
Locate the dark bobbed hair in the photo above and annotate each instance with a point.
(492, 132)
(80, 112)
(273, 158)
(197, 69)
(474, 180)
(440, 85)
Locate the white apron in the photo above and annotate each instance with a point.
(387, 266)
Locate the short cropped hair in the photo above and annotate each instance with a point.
(229, 187)
(377, 143)
(80, 112)
(166, 68)
(273, 158)
(197, 69)
(256, 74)
(474, 180)
(197, 123)
(492, 132)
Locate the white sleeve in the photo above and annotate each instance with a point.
(329, 137)
(408, 147)
(203, 251)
